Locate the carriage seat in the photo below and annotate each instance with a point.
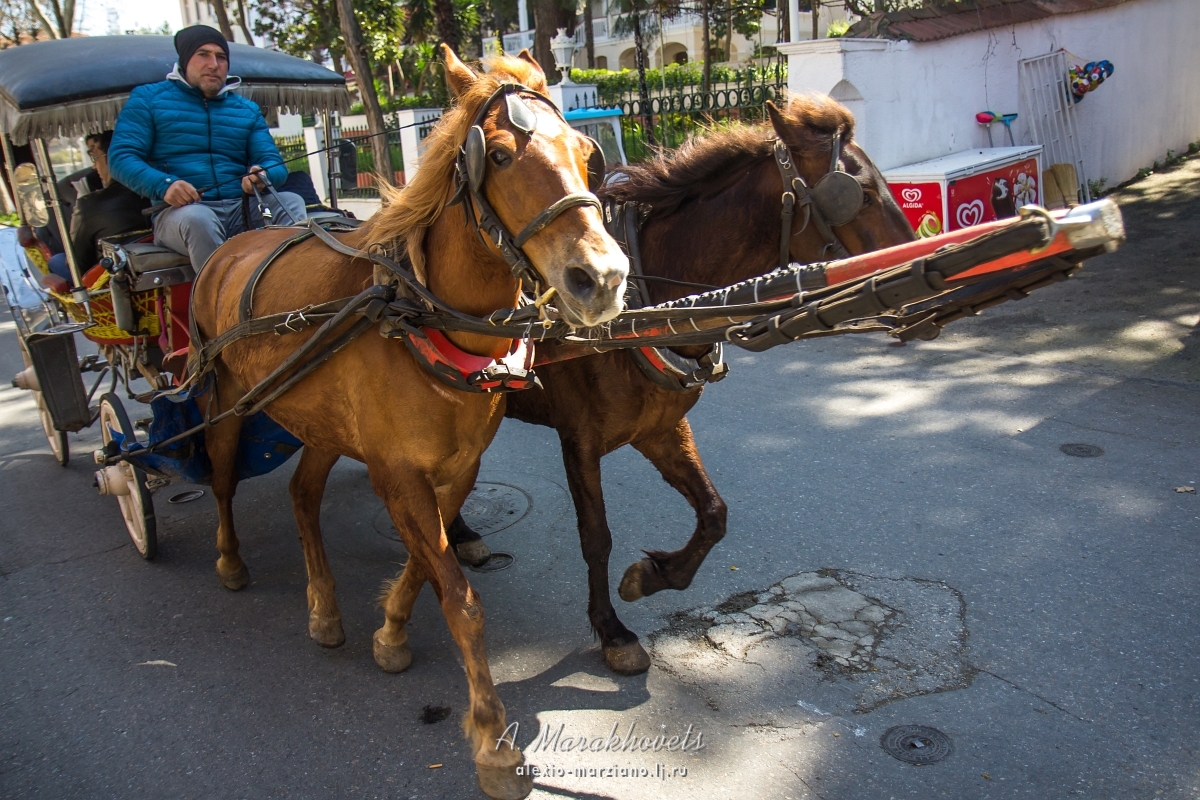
(152, 266)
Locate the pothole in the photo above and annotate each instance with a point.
(489, 508)
(886, 638)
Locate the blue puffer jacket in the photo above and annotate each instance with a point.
(169, 131)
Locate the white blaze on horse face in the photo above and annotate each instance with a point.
(574, 253)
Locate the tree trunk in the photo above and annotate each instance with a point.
(816, 17)
(706, 48)
(360, 62)
(244, 22)
(222, 14)
(589, 34)
(447, 25)
(639, 57)
(60, 28)
(549, 16)
(783, 9)
(729, 35)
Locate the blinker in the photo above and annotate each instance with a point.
(520, 114)
(476, 151)
(597, 167)
(839, 197)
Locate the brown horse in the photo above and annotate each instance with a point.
(714, 219)
(421, 441)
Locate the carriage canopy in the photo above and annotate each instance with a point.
(71, 87)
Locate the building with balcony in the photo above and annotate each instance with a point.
(678, 42)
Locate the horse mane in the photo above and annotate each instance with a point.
(708, 160)
(408, 213)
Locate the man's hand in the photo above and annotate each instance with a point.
(181, 193)
(253, 179)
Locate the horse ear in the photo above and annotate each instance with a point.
(459, 77)
(780, 122)
(537, 81)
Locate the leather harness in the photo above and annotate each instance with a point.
(678, 373)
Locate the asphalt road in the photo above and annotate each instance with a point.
(1037, 608)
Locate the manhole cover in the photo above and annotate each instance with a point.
(497, 562)
(1081, 450)
(186, 497)
(489, 508)
(916, 744)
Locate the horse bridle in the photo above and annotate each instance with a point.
(471, 163)
(832, 201)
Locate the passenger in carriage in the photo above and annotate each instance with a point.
(191, 142)
(111, 211)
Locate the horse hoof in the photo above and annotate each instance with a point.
(503, 783)
(325, 631)
(236, 580)
(627, 659)
(392, 657)
(631, 584)
(475, 553)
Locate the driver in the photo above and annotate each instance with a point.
(191, 142)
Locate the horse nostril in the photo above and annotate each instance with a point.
(580, 283)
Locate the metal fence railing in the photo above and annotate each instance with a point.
(293, 150)
(365, 159)
(678, 105)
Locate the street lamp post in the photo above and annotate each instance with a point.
(563, 48)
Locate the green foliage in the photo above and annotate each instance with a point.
(11, 220)
(1194, 147)
(610, 83)
(309, 28)
(1096, 188)
(1144, 172)
(838, 28)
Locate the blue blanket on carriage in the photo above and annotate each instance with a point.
(264, 444)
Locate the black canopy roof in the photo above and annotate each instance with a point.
(79, 85)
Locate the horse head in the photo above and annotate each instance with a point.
(526, 165)
(819, 135)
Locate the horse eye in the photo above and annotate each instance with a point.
(500, 158)
(866, 199)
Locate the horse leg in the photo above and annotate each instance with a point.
(467, 542)
(221, 442)
(390, 643)
(674, 454)
(414, 510)
(622, 650)
(307, 489)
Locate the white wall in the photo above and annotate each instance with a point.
(916, 101)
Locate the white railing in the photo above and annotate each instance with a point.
(516, 42)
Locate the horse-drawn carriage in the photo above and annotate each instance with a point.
(132, 304)
(279, 320)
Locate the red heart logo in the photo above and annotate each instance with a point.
(911, 195)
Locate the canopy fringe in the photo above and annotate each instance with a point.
(100, 114)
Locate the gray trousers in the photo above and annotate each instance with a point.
(197, 229)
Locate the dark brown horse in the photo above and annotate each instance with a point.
(715, 220)
(420, 439)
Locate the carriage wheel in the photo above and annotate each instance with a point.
(56, 438)
(137, 507)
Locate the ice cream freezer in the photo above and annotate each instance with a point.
(964, 189)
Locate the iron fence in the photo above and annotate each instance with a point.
(678, 105)
(365, 159)
(293, 150)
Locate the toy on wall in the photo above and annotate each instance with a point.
(986, 118)
(1088, 77)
